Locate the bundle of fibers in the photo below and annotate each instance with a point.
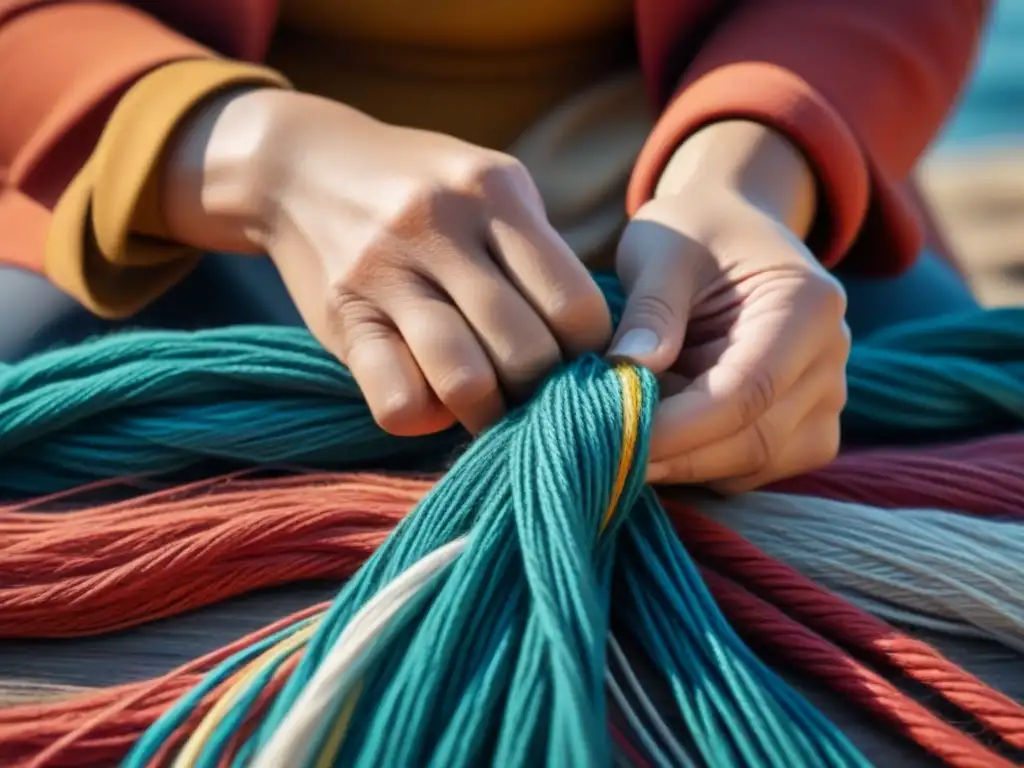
(979, 477)
(724, 554)
(931, 569)
(328, 524)
(150, 403)
(104, 567)
(151, 411)
(101, 726)
(481, 623)
(97, 570)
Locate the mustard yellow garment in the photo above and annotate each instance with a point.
(106, 245)
(482, 70)
(541, 80)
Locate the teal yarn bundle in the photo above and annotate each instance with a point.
(151, 402)
(940, 379)
(148, 402)
(478, 632)
(541, 534)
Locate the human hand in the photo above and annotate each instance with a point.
(425, 264)
(755, 392)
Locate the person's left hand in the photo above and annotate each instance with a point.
(755, 392)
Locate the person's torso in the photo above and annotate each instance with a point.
(483, 71)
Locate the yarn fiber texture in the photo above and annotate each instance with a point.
(482, 623)
(897, 564)
(217, 536)
(150, 402)
(499, 657)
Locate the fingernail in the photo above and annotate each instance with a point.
(636, 343)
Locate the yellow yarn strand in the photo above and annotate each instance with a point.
(194, 746)
(337, 735)
(632, 399)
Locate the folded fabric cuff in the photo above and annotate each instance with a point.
(107, 244)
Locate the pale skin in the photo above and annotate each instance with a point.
(428, 266)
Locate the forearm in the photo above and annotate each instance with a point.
(752, 160)
(227, 171)
(208, 188)
(860, 86)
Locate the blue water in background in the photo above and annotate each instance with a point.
(992, 110)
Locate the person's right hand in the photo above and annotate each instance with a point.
(426, 264)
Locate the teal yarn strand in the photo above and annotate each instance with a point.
(502, 661)
(500, 657)
(154, 403)
(157, 402)
(940, 379)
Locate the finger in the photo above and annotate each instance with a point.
(743, 453)
(551, 278)
(653, 265)
(698, 358)
(448, 353)
(759, 446)
(765, 357)
(814, 444)
(518, 342)
(397, 394)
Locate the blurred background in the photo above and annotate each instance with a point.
(974, 175)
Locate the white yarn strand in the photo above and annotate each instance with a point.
(297, 734)
(934, 569)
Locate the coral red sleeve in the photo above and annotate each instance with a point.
(63, 67)
(861, 86)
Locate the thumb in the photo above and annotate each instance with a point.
(658, 296)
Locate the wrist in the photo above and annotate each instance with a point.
(215, 192)
(751, 160)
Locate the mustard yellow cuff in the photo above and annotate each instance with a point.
(107, 246)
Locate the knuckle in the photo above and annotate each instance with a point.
(503, 181)
(435, 202)
(402, 410)
(756, 395)
(463, 387)
(580, 311)
(652, 309)
(347, 312)
(829, 297)
(487, 172)
(560, 308)
(431, 203)
(522, 366)
(761, 449)
(682, 469)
